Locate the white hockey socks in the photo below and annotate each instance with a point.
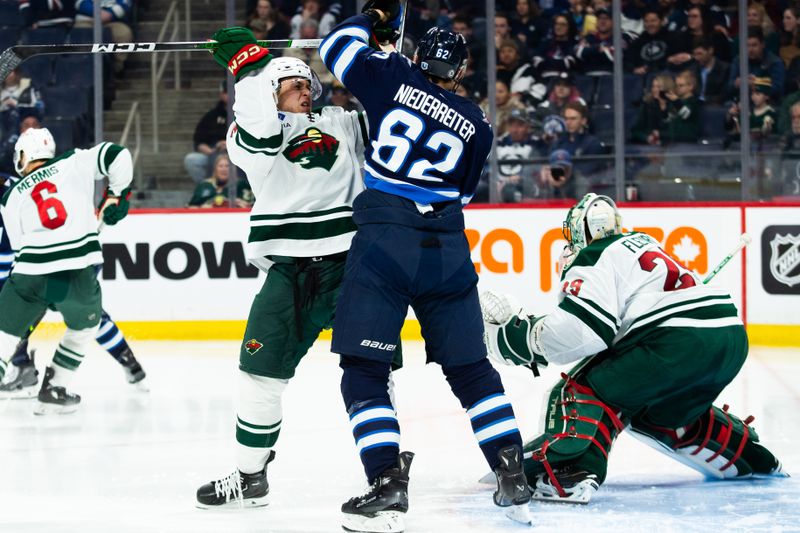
(258, 420)
(70, 353)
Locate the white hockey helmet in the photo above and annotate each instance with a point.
(33, 144)
(593, 217)
(289, 67)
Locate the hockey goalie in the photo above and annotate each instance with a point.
(654, 348)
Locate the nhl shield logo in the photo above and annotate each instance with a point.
(252, 346)
(784, 261)
(313, 149)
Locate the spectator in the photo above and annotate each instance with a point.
(562, 92)
(700, 28)
(8, 142)
(649, 52)
(212, 192)
(502, 30)
(683, 121)
(527, 25)
(244, 193)
(18, 98)
(790, 158)
(505, 103)
(477, 48)
(582, 16)
(47, 14)
(579, 142)
(762, 63)
(713, 74)
(556, 178)
(272, 24)
(340, 96)
(757, 16)
(790, 35)
(517, 180)
(596, 51)
(652, 115)
(115, 15)
(556, 54)
(312, 10)
(784, 126)
(209, 138)
(520, 77)
(309, 29)
(762, 114)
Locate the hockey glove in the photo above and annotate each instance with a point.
(507, 332)
(114, 208)
(387, 15)
(238, 51)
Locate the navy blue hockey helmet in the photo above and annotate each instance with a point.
(442, 53)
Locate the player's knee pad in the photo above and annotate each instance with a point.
(580, 429)
(473, 382)
(718, 444)
(79, 340)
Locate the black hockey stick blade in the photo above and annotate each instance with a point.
(14, 56)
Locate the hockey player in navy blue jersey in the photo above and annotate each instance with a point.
(21, 378)
(426, 151)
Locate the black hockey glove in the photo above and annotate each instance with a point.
(386, 28)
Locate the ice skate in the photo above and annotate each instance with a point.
(236, 490)
(134, 372)
(20, 381)
(383, 507)
(512, 487)
(576, 486)
(55, 400)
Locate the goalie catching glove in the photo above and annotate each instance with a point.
(238, 51)
(510, 336)
(114, 208)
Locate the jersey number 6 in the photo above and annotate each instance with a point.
(648, 262)
(51, 211)
(391, 149)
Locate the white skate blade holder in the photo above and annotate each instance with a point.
(25, 393)
(383, 522)
(519, 513)
(235, 504)
(53, 409)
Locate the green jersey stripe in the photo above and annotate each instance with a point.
(248, 425)
(103, 149)
(709, 312)
(363, 123)
(308, 214)
(111, 154)
(305, 231)
(693, 302)
(86, 249)
(43, 247)
(239, 143)
(600, 310)
(601, 329)
(274, 142)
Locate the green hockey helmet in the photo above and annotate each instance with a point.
(593, 217)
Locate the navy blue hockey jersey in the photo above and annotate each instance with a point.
(426, 144)
(6, 253)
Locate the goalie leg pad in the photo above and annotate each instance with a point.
(719, 445)
(580, 430)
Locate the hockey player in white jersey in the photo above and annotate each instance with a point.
(50, 219)
(656, 347)
(303, 166)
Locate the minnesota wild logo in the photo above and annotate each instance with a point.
(252, 346)
(313, 149)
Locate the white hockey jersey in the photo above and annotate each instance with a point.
(50, 215)
(304, 170)
(619, 289)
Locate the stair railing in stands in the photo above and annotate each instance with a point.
(133, 121)
(158, 63)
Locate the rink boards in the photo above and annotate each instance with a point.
(181, 274)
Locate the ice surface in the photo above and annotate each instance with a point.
(131, 462)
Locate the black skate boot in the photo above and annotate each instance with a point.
(236, 490)
(512, 486)
(571, 485)
(133, 370)
(55, 400)
(383, 506)
(20, 381)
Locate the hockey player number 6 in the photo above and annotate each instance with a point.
(400, 145)
(648, 262)
(51, 211)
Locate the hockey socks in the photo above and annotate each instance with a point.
(481, 393)
(258, 420)
(110, 338)
(365, 390)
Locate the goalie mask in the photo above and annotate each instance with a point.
(594, 217)
(280, 68)
(33, 144)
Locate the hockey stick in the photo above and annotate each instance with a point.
(403, 26)
(14, 56)
(744, 240)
